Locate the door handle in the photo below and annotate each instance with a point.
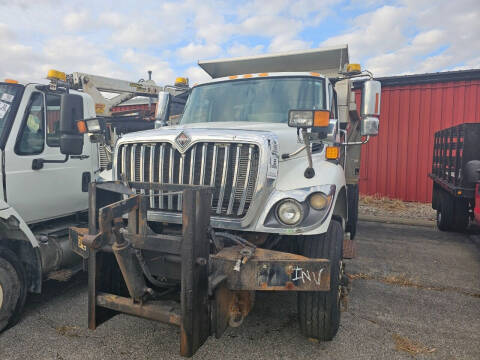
(37, 164)
(80, 157)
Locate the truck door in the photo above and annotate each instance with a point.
(55, 189)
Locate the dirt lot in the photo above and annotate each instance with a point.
(415, 294)
(378, 206)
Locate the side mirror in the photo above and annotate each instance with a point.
(71, 141)
(370, 109)
(162, 110)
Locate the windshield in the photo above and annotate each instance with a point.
(254, 100)
(10, 95)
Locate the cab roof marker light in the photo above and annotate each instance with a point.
(263, 74)
(56, 75)
(246, 76)
(11, 81)
(232, 77)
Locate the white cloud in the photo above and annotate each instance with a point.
(196, 75)
(237, 50)
(77, 20)
(193, 51)
(287, 43)
(141, 63)
(405, 36)
(415, 37)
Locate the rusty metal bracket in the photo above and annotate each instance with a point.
(272, 270)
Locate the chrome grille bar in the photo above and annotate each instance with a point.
(234, 182)
(245, 186)
(180, 181)
(170, 177)
(124, 175)
(142, 166)
(151, 174)
(161, 161)
(214, 165)
(224, 179)
(202, 165)
(132, 162)
(193, 155)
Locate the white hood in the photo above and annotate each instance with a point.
(287, 136)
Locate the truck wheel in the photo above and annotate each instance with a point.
(13, 289)
(352, 196)
(445, 214)
(319, 311)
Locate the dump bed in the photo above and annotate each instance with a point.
(326, 61)
(453, 148)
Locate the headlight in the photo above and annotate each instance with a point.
(318, 201)
(290, 212)
(301, 119)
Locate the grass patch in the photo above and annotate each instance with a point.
(412, 347)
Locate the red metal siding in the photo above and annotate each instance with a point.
(396, 163)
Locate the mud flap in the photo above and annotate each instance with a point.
(349, 247)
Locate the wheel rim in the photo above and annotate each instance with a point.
(1, 296)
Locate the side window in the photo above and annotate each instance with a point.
(53, 120)
(30, 141)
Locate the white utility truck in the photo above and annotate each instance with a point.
(276, 139)
(43, 191)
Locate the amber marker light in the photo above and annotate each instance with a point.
(332, 152)
(82, 127)
(321, 118)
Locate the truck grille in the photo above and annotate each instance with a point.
(231, 168)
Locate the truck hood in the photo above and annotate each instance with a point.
(287, 136)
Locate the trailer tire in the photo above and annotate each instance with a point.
(13, 288)
(445, 214)
(319, 311)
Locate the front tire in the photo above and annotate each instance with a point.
(13, 289)
(319, 311)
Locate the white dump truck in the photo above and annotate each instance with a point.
(43, 192)
(262, 176)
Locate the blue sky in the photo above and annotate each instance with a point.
(169, 37)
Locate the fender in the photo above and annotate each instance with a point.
(17, 236)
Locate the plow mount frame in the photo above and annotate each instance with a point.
(216, 289)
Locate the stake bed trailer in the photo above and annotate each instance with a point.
(455, 175)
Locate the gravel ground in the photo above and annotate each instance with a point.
(393, 208)
(415, 294)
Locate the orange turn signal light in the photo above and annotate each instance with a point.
(321, 118)
(82, 127)
(332, 152)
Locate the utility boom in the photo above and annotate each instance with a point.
(94, 85)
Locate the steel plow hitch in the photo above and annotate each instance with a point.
(179, 278)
